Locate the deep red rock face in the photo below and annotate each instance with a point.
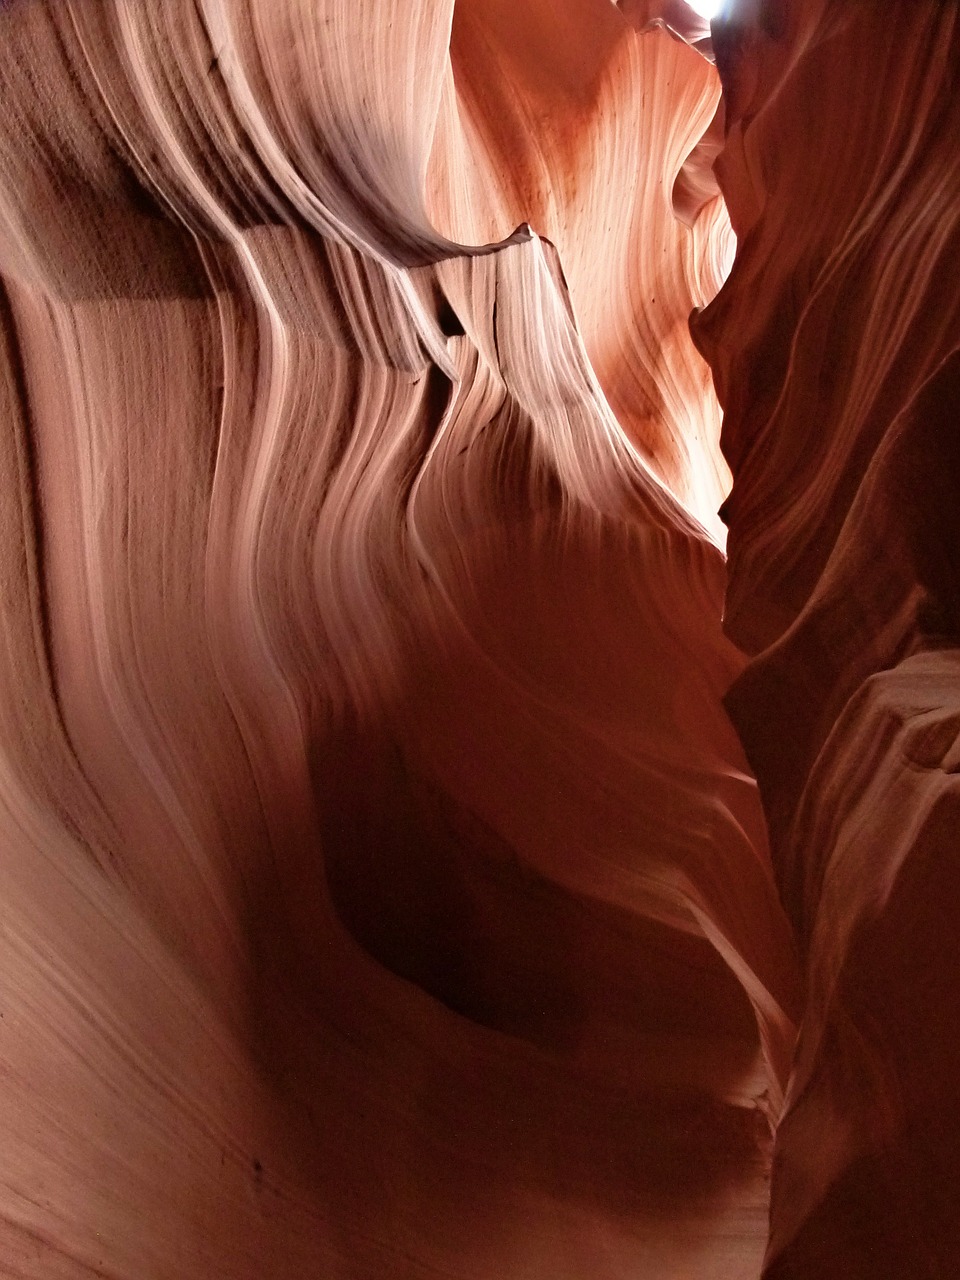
(834, 345)
(385, 891)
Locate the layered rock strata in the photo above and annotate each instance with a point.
(834, 345)
(384, 889)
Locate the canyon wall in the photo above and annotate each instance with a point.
(387, 749)
(835, 345)
(385, 892)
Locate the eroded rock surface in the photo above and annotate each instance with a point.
(834, 344)
(384, 889)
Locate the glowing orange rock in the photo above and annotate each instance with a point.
(384, 890)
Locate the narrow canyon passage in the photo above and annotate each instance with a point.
(385, 887)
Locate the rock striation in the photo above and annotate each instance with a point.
(384, 889)
(834, 345)
(424, 853)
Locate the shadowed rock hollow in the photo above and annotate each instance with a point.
(385, 888)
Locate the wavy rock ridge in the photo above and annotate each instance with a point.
(834, 345)
(385, 889)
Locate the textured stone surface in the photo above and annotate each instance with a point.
(387, 750)
(834, 344)
(384, 890)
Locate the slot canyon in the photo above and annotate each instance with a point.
(479, 640)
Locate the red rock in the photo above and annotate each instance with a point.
(834, 347)
(385, 889)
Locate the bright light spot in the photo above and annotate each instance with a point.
(706, 8)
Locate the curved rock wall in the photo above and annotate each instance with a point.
(384, 889)
(834, 345)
